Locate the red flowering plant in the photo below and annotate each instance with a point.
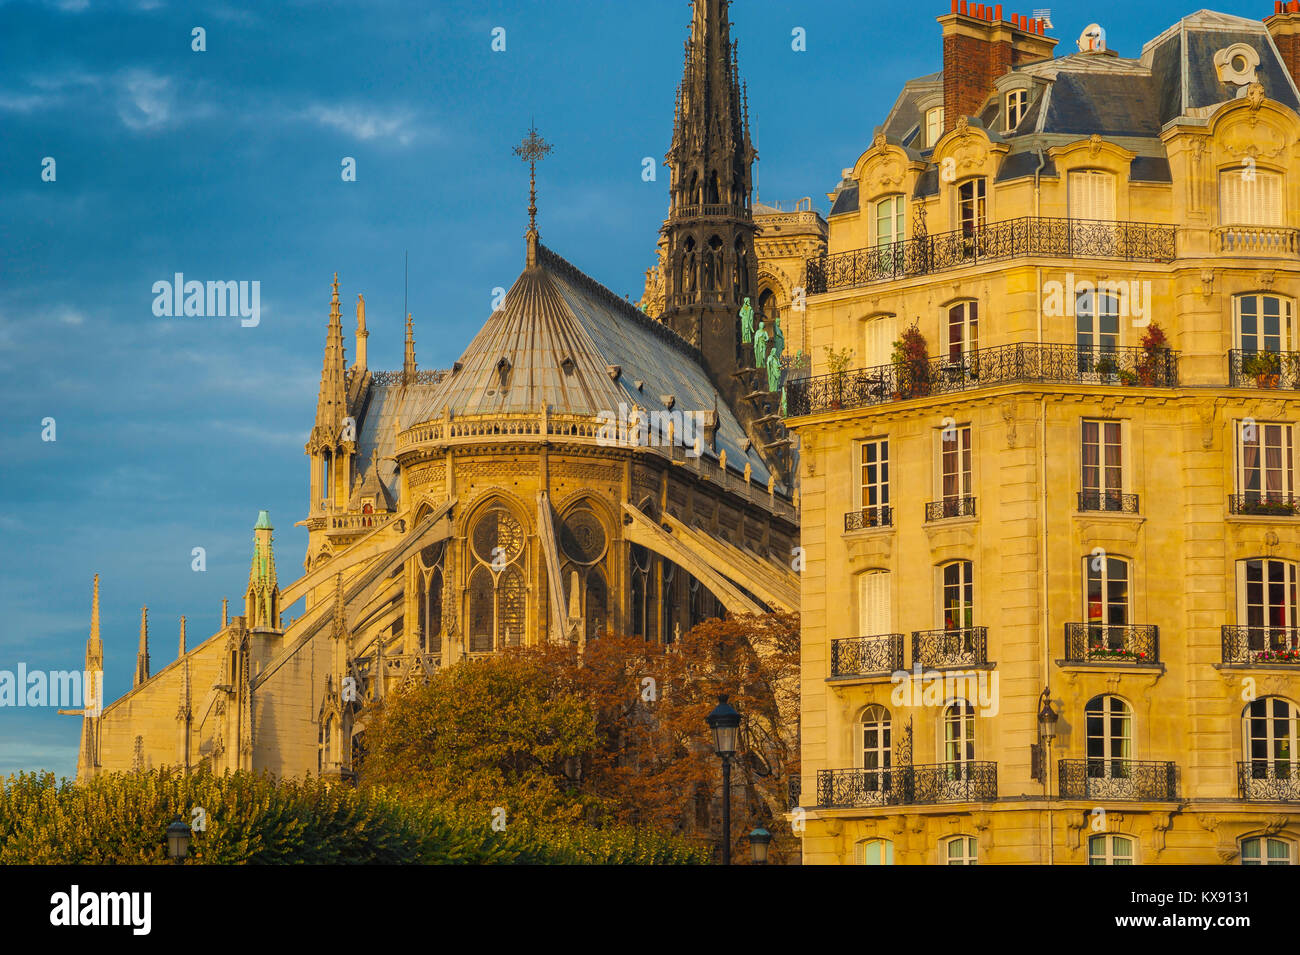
(1155, 346)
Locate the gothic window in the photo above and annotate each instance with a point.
(428, 596)
(714, 194)
(597, 603)
(498, 592)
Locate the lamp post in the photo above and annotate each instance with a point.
(1047, 718)
(724, 721)
(758, 840)
(178, 840)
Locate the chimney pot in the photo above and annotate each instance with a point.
(957, 3)
(997, 13)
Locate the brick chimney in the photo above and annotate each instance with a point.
(1284, 26)
(980, 45)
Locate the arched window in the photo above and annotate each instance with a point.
(1263, 323)
(640, 562)
(1110, 849)
(962, 332)
(958, 597)
(1109, 730)
(1265, 850)
(498, 593)
(972, 211)
(597, 603)
(960, 850)
(1268, 601)
(875, 852)
(1269, 735)
(933, 126)
(1016, 104)
(875, 752)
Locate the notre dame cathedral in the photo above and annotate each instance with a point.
(455, 513)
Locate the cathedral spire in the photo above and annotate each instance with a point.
(92, 694)
(408, 361)
(362, 335)
(530, 151)
(142, 655)
(184, 709)
(262, 598)
(331, 401)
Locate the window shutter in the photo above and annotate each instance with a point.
(1092, 195)
(873, 603)
(881, 333)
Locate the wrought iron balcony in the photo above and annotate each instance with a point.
(1112, 643)
(994, 242)
(1264, 504)
(862, 656)
(950, 507)
(1095, 499)
(1263, 645)
(1106, 779)
(1276, 780)
(881, 515)
(1257, 240)
(1264, 369)
(983, 368)
(946, 649)
(907, 785)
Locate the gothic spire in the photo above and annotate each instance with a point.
(408, 363)
(362, 335)
(332, 401)
(94, 645)
(142, 655)
(92, 694)
(262, 598)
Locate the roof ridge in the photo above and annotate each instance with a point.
(556, 261)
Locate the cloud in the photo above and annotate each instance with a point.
(366, 122)
(144, 100)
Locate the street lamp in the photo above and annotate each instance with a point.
(758, 840)
(724, 721)
(1047, 718)
(178, 840)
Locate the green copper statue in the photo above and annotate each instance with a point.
(784, 412)
(778, 338)
(746, 321)
(773, 370)
(760, 347)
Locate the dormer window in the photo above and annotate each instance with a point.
(1016, 104)
(933, 126)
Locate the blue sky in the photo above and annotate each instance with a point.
(225, 164)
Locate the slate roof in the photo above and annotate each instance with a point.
(559, 332)
(1124, 100)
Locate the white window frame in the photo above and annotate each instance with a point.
(1095, 307)
(879, 334)
(967, 850)
(962, 446)
(1110, 853)
(933, 126)
(1263, 844)
(1016, 104)
(1105, 575)
(881, 466)
(878, 719)
(978, 203)
(967, 313)
(1286, 323)
(1272, 741)
(1114, 745)
(1103, 485)
(896, 217)
(957, 742)
(1267, 435)
(966, 585)
(885, 853)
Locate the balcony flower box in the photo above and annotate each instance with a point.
(1117, 653)
(1276, 656)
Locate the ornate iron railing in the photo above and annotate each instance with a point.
(1264, 369)
(794, 790)
(996, 241)
(859, 656)
(1264, 504)
(1111, 643)
(1270, 645)
(950, 507)
(1094, 499)
(969, 781)
(882, 515)
(1273, 780)
(982, 368)
(1106, 779)
(958, 647)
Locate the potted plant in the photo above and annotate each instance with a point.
(1264, 366)
(1155, 349)
(838, 363)
(911, 361)
(1106, 367)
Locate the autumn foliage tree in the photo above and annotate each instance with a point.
(613, 736)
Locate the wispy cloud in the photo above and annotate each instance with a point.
(145, 100)
(367, 122)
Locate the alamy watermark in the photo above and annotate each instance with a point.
(636, 427)
(193, 299)
(75, 689)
